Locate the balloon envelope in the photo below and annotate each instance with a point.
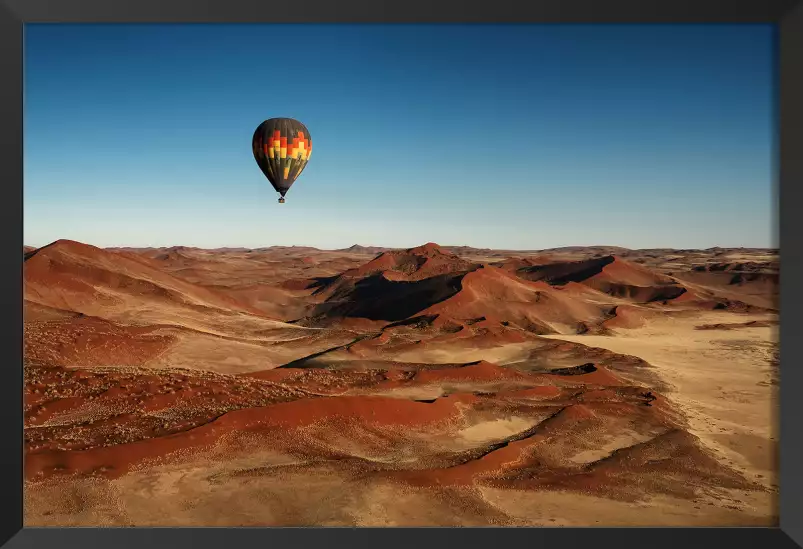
(282, 148)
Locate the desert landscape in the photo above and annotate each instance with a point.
(430, 386)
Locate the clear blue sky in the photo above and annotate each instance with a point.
(508, 136)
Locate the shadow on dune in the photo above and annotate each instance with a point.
(642, 294)
(377, 298)
(558, 274)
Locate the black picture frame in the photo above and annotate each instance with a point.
(786, 15)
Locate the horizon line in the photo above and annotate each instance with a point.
(522, 250)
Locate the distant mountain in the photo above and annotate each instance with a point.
(358, 249)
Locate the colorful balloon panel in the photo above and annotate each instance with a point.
(282, 147)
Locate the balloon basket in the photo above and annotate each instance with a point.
(281, 201)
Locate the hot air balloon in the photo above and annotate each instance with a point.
(282, 147)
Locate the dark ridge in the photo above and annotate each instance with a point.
(559, 274)
(742, 278)
(471, 321)
(32, 253)
(586, 368)
(738, 306)
(731, 326)
(739, 267)
(421, 321)
(643, 294)
(320, 283)
(478, 453)
(377, 298)
(302, 362)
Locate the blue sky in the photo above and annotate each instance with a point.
(505, 136)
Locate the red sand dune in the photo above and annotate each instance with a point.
(600, 376)
(525, 304)
(480, 371)
(157, 391)
(368, 292)
(117, 460)
(88, 341)
(514, 264)
(611, 275)
(73, 276)
(541, 297)
(412, 264)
